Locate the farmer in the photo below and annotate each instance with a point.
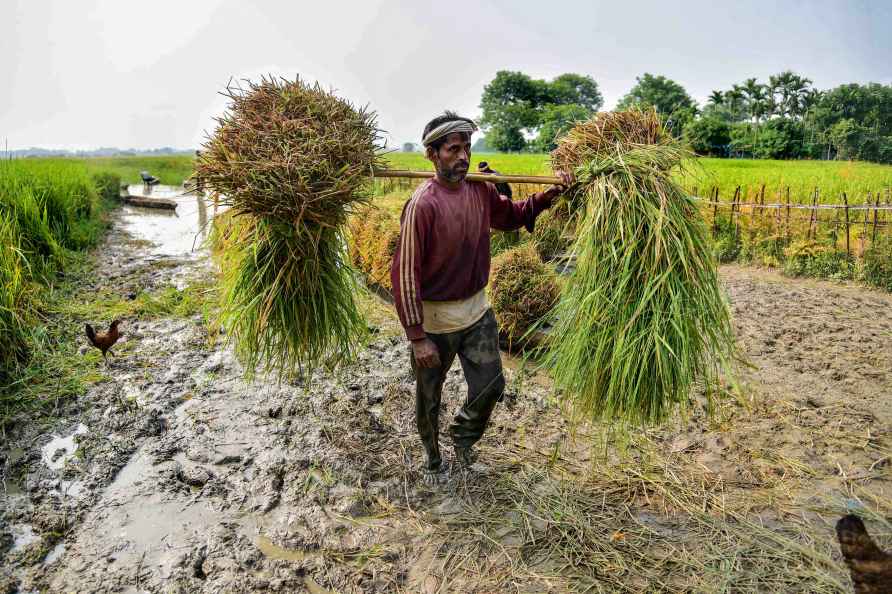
(439, 275)
(503, 188)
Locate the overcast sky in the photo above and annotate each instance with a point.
(90, 73)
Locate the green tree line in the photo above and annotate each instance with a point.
(783, 118)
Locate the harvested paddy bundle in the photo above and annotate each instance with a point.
(643, 318)
(522, 290)
(291, 161)
(374, 235)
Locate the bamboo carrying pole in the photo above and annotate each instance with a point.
(508, 179)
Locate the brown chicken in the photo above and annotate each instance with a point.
(870, 567)
(104, 341)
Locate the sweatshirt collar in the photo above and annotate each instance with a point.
(463, 185)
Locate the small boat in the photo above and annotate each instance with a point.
(147, 202)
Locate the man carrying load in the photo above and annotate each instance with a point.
(439, 275)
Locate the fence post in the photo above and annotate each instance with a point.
(886, 212)
(736, 204)
(715, 210)
(845, 201)
(788, 215)
(777, 212)
(762, 203)
(864, 226)
(813, 218)
(876, 211)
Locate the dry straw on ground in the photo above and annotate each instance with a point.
(642, 319)
(292, 162)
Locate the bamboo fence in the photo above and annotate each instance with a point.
(857, 223)
(802, 219)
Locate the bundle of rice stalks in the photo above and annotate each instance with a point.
(374, 235)
(522, 291)
(292, 162)
(642, 319)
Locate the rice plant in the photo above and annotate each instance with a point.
(15, 300)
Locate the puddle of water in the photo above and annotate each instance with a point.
(67, 444)
(54, 554)
(274, 551)
(22, 536)
(172, 233)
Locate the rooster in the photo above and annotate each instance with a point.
(104, 340)
(870, 567)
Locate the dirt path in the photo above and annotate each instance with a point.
(176, 475)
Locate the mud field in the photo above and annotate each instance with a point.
(174, 475)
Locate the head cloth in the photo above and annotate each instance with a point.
(446, 129)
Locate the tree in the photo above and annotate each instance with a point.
(708, 136)
(791, 92)
(516, 106)
(716, 98)
(742, 139)
(735, 100)
(844, 135)
(666, 96)
(555, 121)
(779, 138)
(758, 101)
(505, 139)
(854, 121)
(510, 103)
(570, 88)
(408, 147)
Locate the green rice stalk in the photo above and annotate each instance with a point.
(288, 300)
(642, 319)
(16, 302)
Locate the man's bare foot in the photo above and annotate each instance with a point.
(434, 477)
(465, 457)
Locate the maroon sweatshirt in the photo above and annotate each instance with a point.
(443, 252)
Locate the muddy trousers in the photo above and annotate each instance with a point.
(477, 348)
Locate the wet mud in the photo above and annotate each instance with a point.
(175, 475)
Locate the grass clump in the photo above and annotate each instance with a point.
(642, 319)
(16, 302)
(60, 194)
(50, 209)
(108, 185)
(522, 291)
(877, 267)
(293, 162)
(814, 259)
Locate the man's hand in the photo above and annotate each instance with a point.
(554, 191)
(426, 353)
